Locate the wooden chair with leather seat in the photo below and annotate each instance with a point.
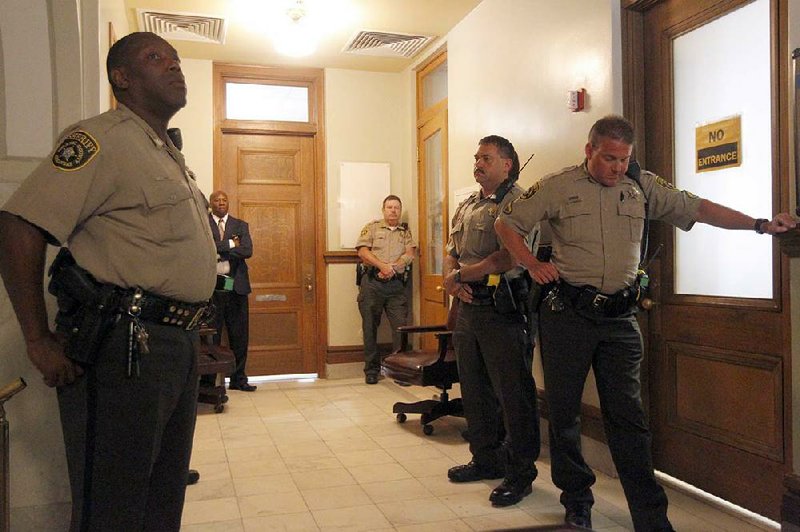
(425, 368)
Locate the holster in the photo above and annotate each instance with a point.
(538, 292)
(87, 309)
(361, 269)
(511, 295)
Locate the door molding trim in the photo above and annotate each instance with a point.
(314, 79)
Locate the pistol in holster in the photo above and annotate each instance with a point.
(511, 295)
(538, 292)
(361, 270)
(87, 309)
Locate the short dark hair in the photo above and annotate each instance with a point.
(120, 52)
(391, 197)
(506, 150)
(613, 127)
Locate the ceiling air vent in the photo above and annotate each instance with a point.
(386, 44)
(183, 26)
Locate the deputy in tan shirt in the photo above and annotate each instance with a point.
(491, 338)
(597, 215)
(117, 192)
(386, 249)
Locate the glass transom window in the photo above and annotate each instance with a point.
(250, 101)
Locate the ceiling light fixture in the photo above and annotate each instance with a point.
(296, 37)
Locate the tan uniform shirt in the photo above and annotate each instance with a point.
(597, 230)
(472, 236)
(386, 244)
(125, 205)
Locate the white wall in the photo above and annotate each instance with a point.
(516, 86)
(112, 12)
(367, 117)
(28, 78)
(196, 122)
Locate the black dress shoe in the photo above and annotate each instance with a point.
(244, 387)
(194, 476)
(472, 471)
(371, 379)
(579, 515)
(512, 490)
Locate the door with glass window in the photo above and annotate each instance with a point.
(719, 347)
(432, 190)
(433, 219)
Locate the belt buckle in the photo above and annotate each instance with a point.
(599, 301)
(195, 319)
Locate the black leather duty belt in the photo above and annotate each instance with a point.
(164, 311)
(609, 305)
(482, 294)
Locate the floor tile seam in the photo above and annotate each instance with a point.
(319, 525)
(455, 516)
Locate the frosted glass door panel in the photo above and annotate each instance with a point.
(434, 86)
(722, 70)
(433, 195)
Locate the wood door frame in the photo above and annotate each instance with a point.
(425, 115)
(314, 80)
(633, 74)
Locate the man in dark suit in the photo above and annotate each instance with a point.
(232, 237)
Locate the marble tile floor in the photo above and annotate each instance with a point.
(330, 455)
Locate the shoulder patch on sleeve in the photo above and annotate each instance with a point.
(531, 191)
(75, 151)
(660, 181)
(365, 231)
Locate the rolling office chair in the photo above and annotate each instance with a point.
(425, 368)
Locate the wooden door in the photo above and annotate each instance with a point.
(719, 372)
(433, 219)
(270, 184)
(433, 191)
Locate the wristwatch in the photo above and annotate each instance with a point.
(457, 276)
(757, 225)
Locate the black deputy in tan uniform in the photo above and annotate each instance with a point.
(490, 337)
(117, 192)
(597, 216)
(387, 249)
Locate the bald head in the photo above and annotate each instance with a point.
(219, 203)
(145, 73)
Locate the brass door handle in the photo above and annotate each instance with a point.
(440, 288)
(647, 303)
(309, 284)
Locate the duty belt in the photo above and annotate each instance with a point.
(610, 305)
(481, 294)
(164, 311)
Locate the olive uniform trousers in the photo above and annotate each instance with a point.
(373, 298)
(493, 368)
(129, 439)
(572, 341)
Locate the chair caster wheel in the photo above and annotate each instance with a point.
(427, 429)
(219, 408)
(401, 417)
(225, 398)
